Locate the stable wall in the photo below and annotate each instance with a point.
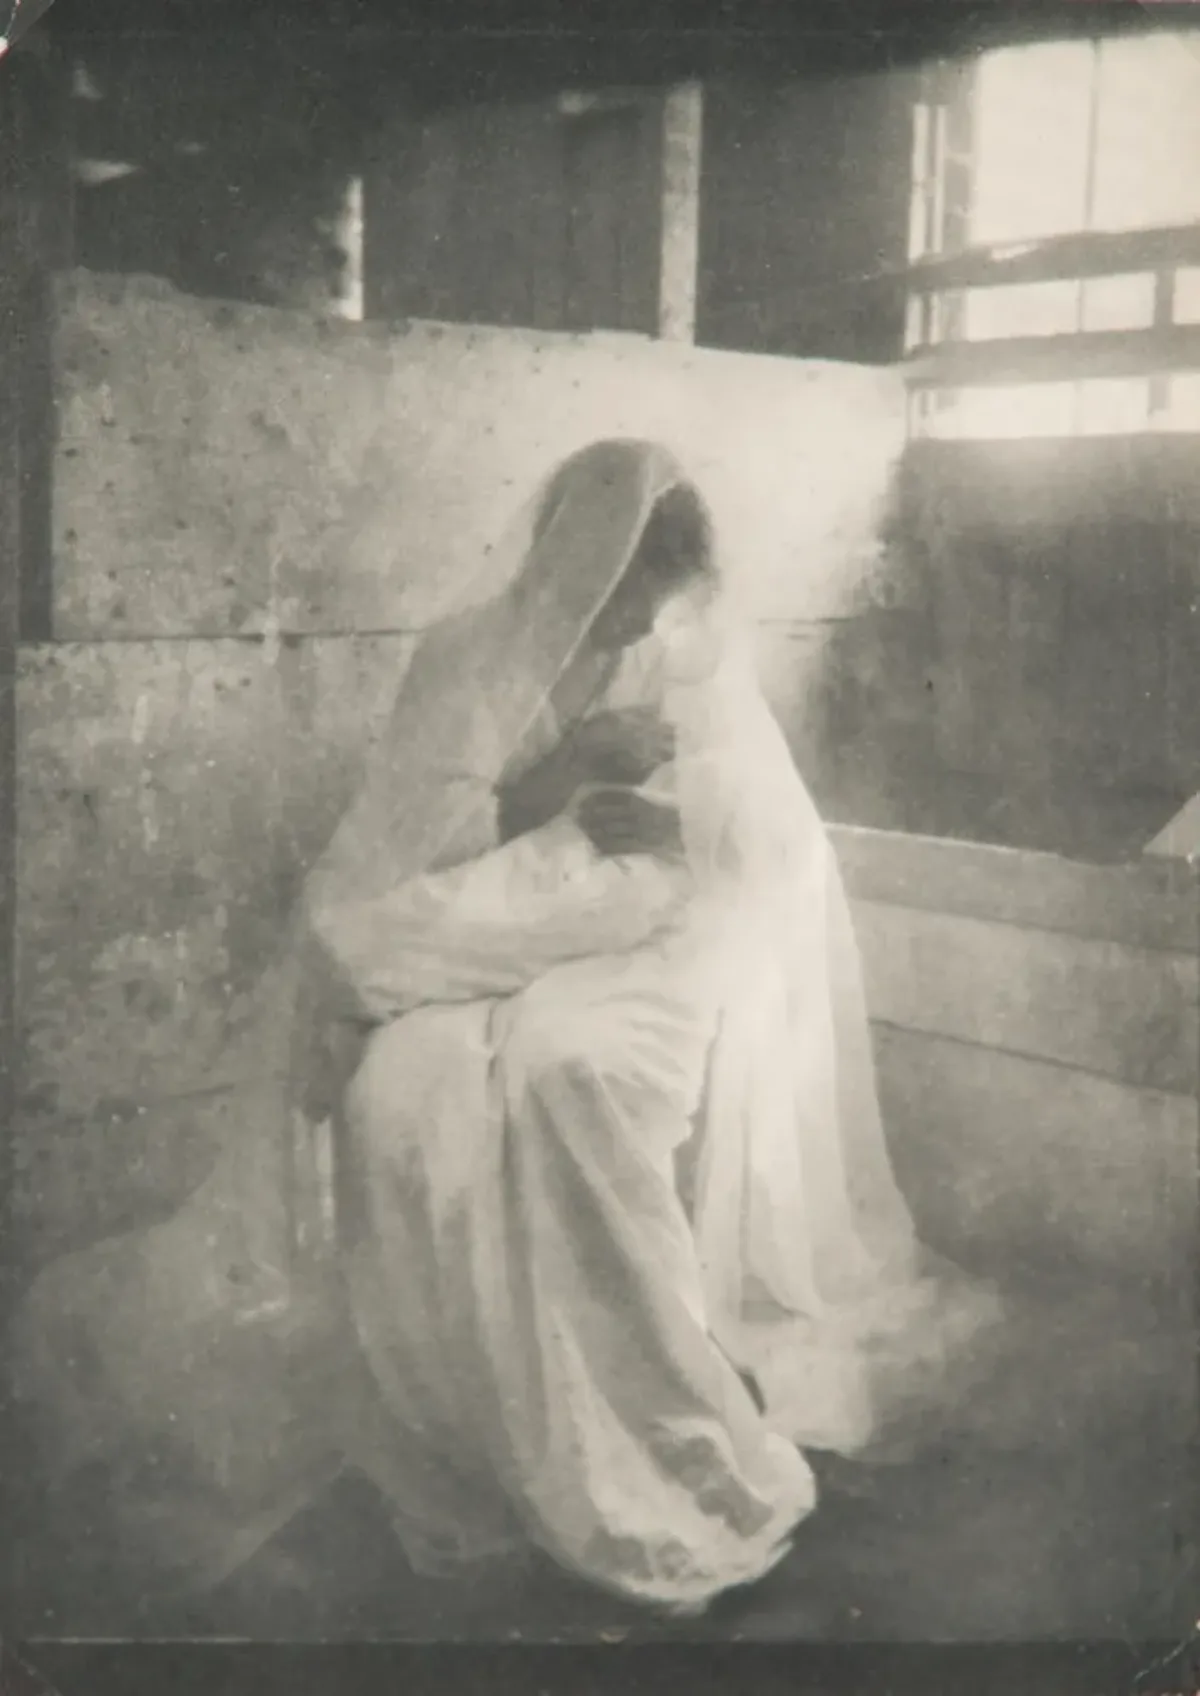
(226, 471)
(222, 469)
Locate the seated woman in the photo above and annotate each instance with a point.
(572, 1004)
(604, 1198)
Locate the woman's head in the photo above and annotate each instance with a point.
(674, 554)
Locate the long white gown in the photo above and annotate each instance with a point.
(614, 1142)
(522, 1268)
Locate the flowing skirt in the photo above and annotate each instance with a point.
(526, 1289)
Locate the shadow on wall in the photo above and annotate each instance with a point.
(1023, 672)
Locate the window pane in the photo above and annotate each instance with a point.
(1114, 406)
(1148, 133)
(1182, 411)
(1094, 407)
(1021, 309)
(1032, 107)
(913, 322)
(1187, 295)
(919, 207)
(1119, 303)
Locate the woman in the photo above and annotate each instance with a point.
(561, 1105)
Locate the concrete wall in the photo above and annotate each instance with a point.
(230, 470)
(223, 467)
(1054, 596)
(170, 793)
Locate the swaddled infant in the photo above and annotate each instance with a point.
(556, 872)
(594, 843)
(590, 868)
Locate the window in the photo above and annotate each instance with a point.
(1055, 240)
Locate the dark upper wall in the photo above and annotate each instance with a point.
(497, 209)
(241, 152)
(1051, 596)
(804, 217)
(465, 52)
(517, 213)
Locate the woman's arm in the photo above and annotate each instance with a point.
(538, 795)
(492, 927)
(621, 747)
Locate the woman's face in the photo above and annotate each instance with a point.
(630, 611)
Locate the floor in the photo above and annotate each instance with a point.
(1056, 1505)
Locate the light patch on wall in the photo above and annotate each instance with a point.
(148, 812)
(348, 235)
(84, 85)
(141, 720)
(94, 173)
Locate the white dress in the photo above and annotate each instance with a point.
(521, 1266)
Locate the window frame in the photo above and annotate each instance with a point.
(939, 358)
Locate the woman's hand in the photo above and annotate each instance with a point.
(620, 747)
(611, 747)
(617, 822)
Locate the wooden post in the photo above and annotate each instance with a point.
(11, 278)
(682, 139)
(34, 241)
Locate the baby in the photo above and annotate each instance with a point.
(590, 863)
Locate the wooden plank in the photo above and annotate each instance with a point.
(614, 215)
(37, 432)
(209, 774)
(1129, 1014)
(1055, 359)
(1145, 905)
(804, 214)
(1090, 254)
(1011, 1163)
(683, 124)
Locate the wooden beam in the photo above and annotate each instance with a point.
(682, 142)
(1055, 359)
(1148, 904)
(1094, 254)
(10, 562)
